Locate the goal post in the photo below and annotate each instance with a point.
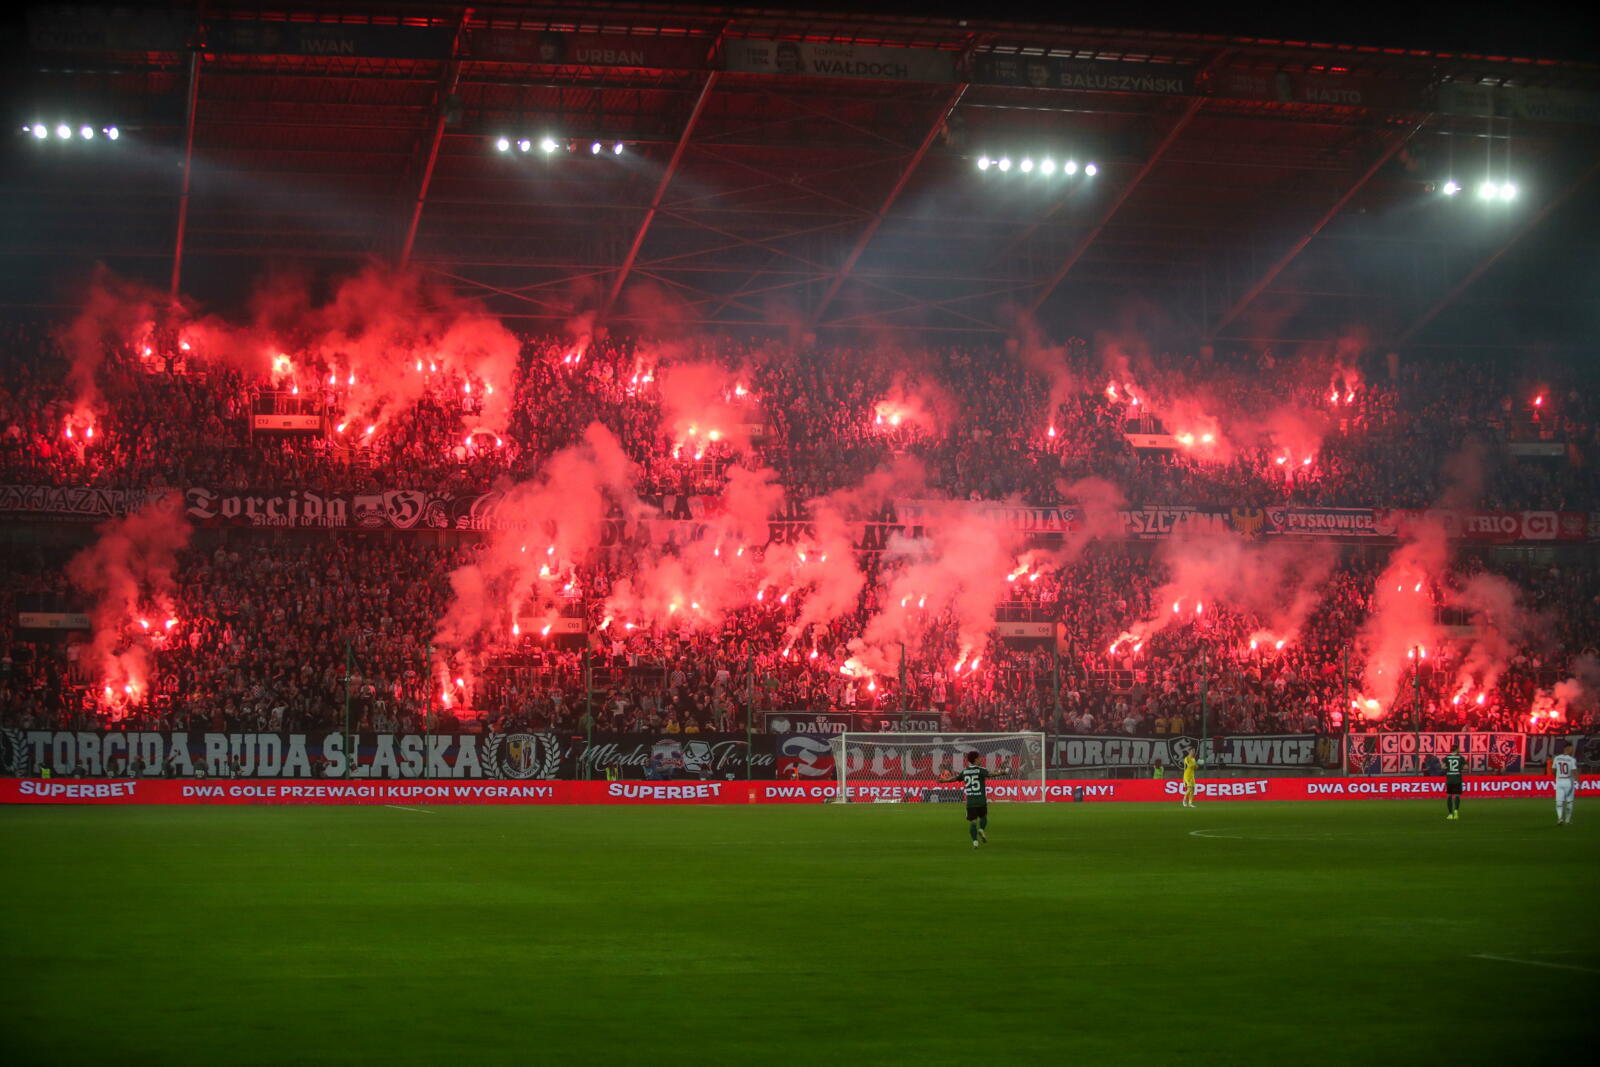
(906, 766)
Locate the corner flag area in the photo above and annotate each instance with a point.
(1114, 934)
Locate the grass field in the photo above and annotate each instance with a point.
(1369, 932)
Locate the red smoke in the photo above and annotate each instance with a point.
(129, 572)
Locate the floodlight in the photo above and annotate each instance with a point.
(39, 131)
(86, 132)
(1048, 166)
(1508, 191)
(1070, 167)
(524, 144)
(113, 133)
(1450, 188)
(1004, 164)
(1027, 166)
(503, 145)
(616, 149)
(548, 145)
(594, 149)
(1090, 169)
(64, 132)
(983, 161)
(1488, 191)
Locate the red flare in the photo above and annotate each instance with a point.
(1051, 432)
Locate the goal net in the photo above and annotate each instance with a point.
(907, 766)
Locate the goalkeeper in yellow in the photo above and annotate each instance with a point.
(1189, 764)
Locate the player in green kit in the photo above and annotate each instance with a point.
(975, 790)
(1455, 764)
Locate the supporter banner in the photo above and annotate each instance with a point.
(52, 620)
(1538, 104)
(69, 503)
(1323, 522)
(1586, 747)
(508, 755)
(589, 49)
(826, 724)
(1542, 449)
(1307, 87)
(261, 38)
(1157, 522)
(1046, 519)
(1102, 76)
(749, 55)
(167, 791)
(286, 423)
(682, 518)
(1152, 442)
(1413, 753)
(87, 29)
(1240, 750)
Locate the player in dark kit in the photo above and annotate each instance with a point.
(1455, 764)
(975, 789)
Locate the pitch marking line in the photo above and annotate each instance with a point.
(402, 807)
(1215, 834)
(1536, 963)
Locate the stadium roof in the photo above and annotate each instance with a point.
(814, 171)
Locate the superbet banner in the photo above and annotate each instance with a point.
(1414, 753)
(427, 793)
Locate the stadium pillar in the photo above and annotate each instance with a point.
(878, 216)
(621, 277)
(750, 717)
(188, 162)
(1395, 143)
(1344, 714)
(1205, 712)
(441, 115)
(1494, 257)
(349, 739)
(1416, 701)
(1055, 682)
(1110, 210)
(588, 710)
(901, 696)
(427, 709)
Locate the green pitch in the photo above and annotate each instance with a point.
(1099, 934)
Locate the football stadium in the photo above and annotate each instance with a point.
(579, 531)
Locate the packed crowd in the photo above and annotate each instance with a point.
(320, 631)
(323, 631)
(988, 422)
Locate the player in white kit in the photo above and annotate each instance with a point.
(1564, 769)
